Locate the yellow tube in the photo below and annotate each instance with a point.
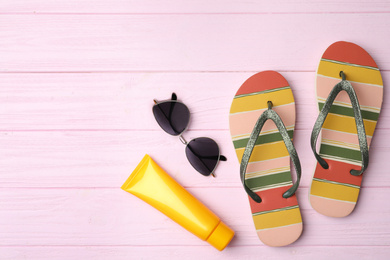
(153, 185)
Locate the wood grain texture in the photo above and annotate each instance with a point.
(231, 42)
(105, 159)
(56, 217)
(192, 6)
(123, 101)
(185, 252)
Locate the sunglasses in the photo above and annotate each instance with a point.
(173, 117)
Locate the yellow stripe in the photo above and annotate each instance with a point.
(255, 102)
(341, 144)
(265, 152)
(347, 124)
(353, 73)
(267, 172)
(334, 191)
(277, 219)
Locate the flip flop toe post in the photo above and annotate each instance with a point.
(266, 173)
(335, 189)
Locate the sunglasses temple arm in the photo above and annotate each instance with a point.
(170, 114)
(221, 157)
(173, 98)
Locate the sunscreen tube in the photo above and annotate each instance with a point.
(153, 185)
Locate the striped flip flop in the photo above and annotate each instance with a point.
(347, 120)
(263, 148)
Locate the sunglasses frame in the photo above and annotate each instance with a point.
(183, 141)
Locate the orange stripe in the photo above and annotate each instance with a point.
(272, 199)
(338, 172)
(261, 81)
(349, 52)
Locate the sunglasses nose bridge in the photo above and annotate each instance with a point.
(182, 140)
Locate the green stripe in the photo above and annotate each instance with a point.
(335, 158)
(348, 111)
(262, 92)
(350, 64)
(274, 210)
(345, 153)
(262, 181)
(263, 139)
(338, 183)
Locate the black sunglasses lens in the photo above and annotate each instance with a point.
(203, 154)
(173, 117)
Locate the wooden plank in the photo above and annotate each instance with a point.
(193, 6)
(58, 101)
(107, 158)
(231, 42)
(100, 217)
(186, 252)
(112, 100)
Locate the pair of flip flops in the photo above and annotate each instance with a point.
(349, 95)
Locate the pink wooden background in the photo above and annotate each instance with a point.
(77, 79)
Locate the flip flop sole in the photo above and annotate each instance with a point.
(334, 191)
(277, 220)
